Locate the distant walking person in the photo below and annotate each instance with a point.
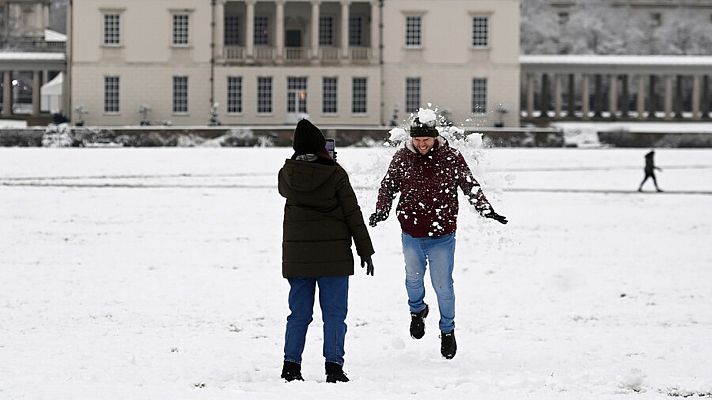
(321, 217)
(650, 171)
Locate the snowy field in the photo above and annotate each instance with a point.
(155, 274)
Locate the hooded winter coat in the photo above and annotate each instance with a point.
(428, 184)
(321, 217)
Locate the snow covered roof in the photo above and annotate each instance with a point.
(616, 63)
(54, 36)
(32, 61)
(30, 56)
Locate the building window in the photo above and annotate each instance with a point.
(563, 18)
(234, 94)
(111, 94)
(261, 31)
(329, 95)
(359, 95)
(112, 29)
(479, 95)
(412, 31)
(180, 94)
(355, 31)
(264, 94)
(181, 29)
(412, 94)
(656, 18)
(232, 30)
(480, 31)
(296, 94)
(326, 31)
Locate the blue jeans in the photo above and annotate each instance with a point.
(439, 253)
(333, 299)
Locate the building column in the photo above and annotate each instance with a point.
(705, 97)
(557, 95)
(641, 97)
(585, 95)
(678, 96)
(668, 98)
(279, 30)
(613, 95)
(7, 93)
(375, 30)
(345, 29)
(36, 88)
(544, 96)
(652, 97)
(219, 39)
(625, 96)
(530, 96)
(598, 95)
(571, 106)
(45, 16)
(250, 29)
(696, 97)
(315, 29)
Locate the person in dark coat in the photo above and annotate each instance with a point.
(428, 172)
(650, 171)
(321, 218)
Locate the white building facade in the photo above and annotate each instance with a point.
(358, 63)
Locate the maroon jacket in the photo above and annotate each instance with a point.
(428, 185)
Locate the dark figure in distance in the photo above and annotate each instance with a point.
(650, 171)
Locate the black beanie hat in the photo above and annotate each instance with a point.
(308, 139)
(418, 129)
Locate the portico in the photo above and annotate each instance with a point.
(296, 32)
(616, 87)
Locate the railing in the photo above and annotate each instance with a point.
(360, 53)
(32, 44)
(234, 53)
(295, 53)
(329, 53)
(264, 53)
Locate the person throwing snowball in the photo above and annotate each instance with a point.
(427, 173)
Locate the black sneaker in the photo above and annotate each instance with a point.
(417, 323)
(335, 373)
(292, 371)
(448, 345)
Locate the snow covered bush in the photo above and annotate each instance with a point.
(57, 136)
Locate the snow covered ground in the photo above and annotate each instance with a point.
(155, 274)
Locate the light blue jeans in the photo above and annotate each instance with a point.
(439, 254)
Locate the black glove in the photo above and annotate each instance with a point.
(377, 217)
(499, 218)
(368, 263)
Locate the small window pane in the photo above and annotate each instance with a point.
(296, 94)
(359, 95)
(111, 94)
(180, 29)
(479, 95)
(412, 31)
(180, 94)
(480, 31)
(264, 95)
(329, 95)
(412, 94)
(112, 29)
(234, 94)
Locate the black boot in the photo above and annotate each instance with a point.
(417, 323)
(335, 373)
(292, 371)
(448, 345)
